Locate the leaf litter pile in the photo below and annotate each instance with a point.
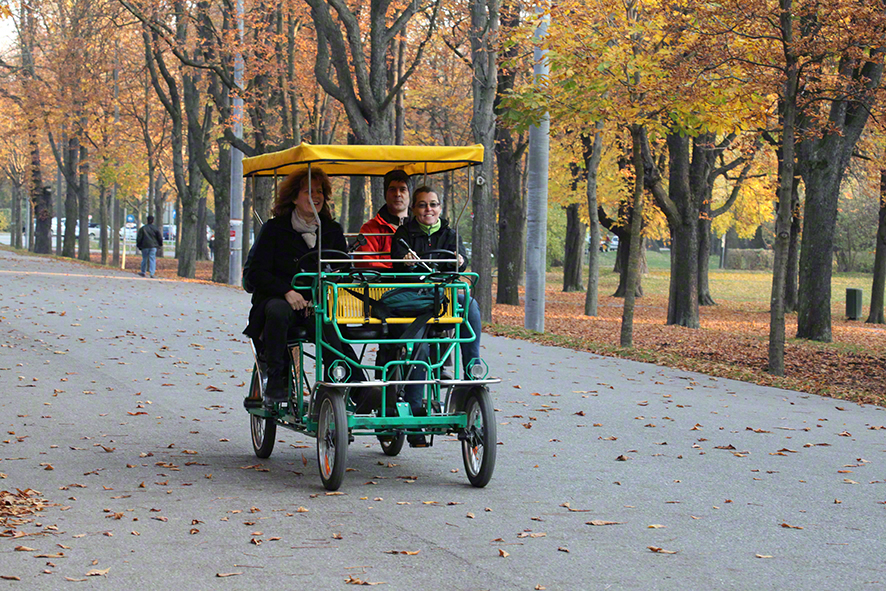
(731, 343)
(18, 509)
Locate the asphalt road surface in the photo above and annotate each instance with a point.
(121, 404)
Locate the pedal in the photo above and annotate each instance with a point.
(252, 403)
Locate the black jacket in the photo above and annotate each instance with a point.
(415, 237)
(274, 262)
(148, 236)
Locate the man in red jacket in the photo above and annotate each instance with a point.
(393, 214)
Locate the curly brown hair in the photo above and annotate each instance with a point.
(288, 190)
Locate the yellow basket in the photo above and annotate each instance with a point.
(349, 308)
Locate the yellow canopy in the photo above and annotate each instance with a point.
(364, 160)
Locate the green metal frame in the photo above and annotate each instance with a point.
(298, 415)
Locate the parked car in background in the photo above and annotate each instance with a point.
(94, 229)
(169, 231)
(128, 232)
(608, 243)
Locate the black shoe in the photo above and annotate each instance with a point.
(276, 391)
(417, 440)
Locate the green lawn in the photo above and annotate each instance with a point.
(726, 284)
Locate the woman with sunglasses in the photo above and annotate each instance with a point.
(427, 231)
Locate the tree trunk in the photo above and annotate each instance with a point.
(103, 220)
(159, 202)
(511, 199)
(704, 259)
(683, 224)
(72, 164)
(39, 195)
(42, 222)
(202, 246)
(622, 255)
(116, 226)
(83, 201)
(822, 158)
(247, 221)
(790, 288)
(221, 245)
(786, 154)
(592, 153)
(817, 254)
(484, 38)
(16, 221)
(574, 249)
(633, 278)
(879, 281)
(356, 203)
(59, 231)
(511, 217)
(191, 184)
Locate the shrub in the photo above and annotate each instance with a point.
(749, 259)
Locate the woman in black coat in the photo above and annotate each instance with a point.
(292, 233)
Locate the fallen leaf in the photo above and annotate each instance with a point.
(502, 553)
(352, 580)
(658, 550)
(789, 526)
(98, 572)
(223, 575)
(762, 556)
(602, 522)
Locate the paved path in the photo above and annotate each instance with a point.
(121, 404)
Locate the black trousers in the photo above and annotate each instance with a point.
(282, 324)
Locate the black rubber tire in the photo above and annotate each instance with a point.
(332, 438)
(392, 445)
(478, 445)
(264, 430)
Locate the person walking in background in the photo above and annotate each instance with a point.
(148, 240)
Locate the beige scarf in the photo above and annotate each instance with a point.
(308, 230)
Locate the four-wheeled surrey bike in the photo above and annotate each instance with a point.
(349, 397)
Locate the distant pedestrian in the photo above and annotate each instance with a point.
(148, 240)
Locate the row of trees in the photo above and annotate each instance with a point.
(698, 93)
(666, 119)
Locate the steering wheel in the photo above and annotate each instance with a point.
(365, 276)
(439, 251)
(314, 254)
(443, 277)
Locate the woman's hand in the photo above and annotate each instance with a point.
(296, 300)
(410, 257)
(461, 261)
